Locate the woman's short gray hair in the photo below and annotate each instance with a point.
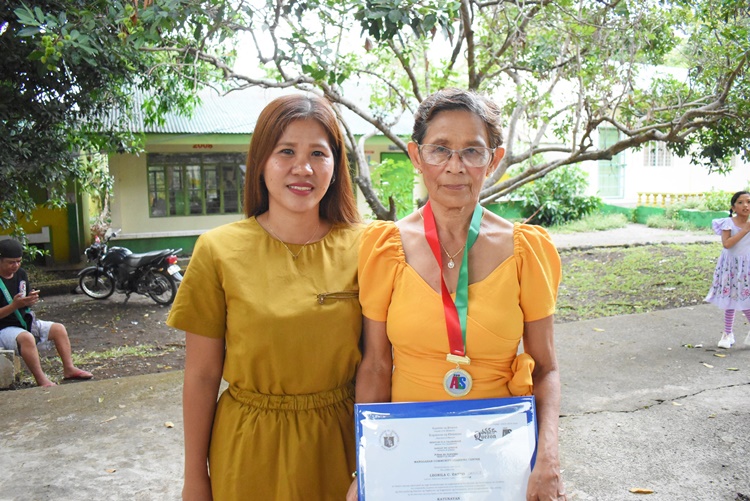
(458, 99)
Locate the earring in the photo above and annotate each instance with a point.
(333, 178)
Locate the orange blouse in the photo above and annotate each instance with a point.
(523, 288)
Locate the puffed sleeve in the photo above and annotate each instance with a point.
(381, 257)
(539, 271)
(200, 305)
(722, 224)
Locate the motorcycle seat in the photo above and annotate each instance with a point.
(136, 260)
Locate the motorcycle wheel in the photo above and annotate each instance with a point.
(96, 284)
(161, 287)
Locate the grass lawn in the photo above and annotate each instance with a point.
(614, 281)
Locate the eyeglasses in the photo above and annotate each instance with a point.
(474, 156)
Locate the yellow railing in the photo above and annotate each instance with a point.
(665, 199)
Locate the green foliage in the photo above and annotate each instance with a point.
(99, 184)
(718, 52)
(558, 76)
(37, 274)
(557, 198)
(64, 66)
(717, 200)
(671, 219)
(384, 19)
(673, 211)
(395, 179)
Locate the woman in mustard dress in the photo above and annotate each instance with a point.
(453, 252)
(270, 304)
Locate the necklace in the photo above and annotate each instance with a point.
(451, 264)
(294, 256)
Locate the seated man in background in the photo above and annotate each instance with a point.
(20, 330)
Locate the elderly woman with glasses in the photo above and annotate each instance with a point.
(449, 291)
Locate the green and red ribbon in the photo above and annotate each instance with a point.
(456, 313)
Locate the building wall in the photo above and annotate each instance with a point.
(130, 209)
(57, 222)
(130, 204)
(681, 177)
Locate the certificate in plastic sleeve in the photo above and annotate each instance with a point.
(446, 451)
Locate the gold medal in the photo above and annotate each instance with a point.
(457, 382)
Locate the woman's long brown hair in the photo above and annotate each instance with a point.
(338, 204)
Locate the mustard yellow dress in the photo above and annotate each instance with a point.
(284, 429)
(521, 289)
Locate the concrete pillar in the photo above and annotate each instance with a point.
(10, 365)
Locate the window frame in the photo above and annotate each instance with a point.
(180, 181)
(656, 154)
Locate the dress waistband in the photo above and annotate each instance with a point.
(293, 402)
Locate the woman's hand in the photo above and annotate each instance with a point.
(545, 483)
(197, 489)
(352, 494)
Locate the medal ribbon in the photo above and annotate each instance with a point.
(455, 313)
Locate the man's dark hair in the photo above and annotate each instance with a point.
(10, 248)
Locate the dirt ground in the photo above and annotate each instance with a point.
(111, 337)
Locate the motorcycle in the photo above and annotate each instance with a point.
(155, 274)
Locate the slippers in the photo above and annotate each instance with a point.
(80, 375)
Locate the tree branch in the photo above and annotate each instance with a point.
(409, 71)
(466, 22)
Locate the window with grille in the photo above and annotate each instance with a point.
(612, 171)
(195, 184)
(656, 154)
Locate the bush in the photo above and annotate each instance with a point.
(673, 211)
(717, 200)
(557, 198)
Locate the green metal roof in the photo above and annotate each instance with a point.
(233, 113)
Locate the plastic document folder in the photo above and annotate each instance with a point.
(448, 450)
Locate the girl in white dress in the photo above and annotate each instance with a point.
(730, 290)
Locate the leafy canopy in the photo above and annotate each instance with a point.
(64, 66)
(561, 70)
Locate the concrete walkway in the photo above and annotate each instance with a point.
(643, 410)
(632, 234)
(640, 409)
(96, 440)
